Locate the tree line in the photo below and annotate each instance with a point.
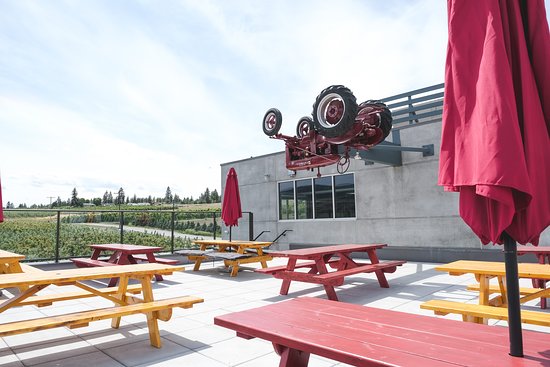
(120, 198)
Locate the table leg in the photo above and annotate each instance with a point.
(291, 357)
(121, 294)
(379, 273)
(152, 322)
(286, 282)
(322, 269)
(483, 296)
(151, 259)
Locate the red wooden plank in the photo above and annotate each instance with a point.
(426, 323)
(342, 350)
(368, 268)
(323, 321)
(126, 248)
(315, 252)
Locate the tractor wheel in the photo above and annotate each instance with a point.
(334, 111)
(385, 115)
(272, 122)
(305, 124)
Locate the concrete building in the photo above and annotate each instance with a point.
(398, 203)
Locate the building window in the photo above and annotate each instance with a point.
(323, 197)
(304, 200)
(344, 196)
(286, 200)
(317, 198)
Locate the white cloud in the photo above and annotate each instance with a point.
(143, 95)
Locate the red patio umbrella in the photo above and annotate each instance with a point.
(495, 146)
(1, 211)
(231, 205)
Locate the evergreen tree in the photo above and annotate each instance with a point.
(214, 196)
(110, 198)
(74, 198)
(168, 198)
(105, 197)
(120, 197)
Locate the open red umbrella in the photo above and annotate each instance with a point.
(1, 211)
(495, 146)
(231, 205)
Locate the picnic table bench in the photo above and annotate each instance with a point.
(337, 257)
(371, 337)
(123, 254)
(233, 260)
(493, 307)
(125, 302)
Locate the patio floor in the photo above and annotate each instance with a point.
(191, 339)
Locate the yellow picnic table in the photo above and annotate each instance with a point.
(9, 262)
(124, 302)
(495, 307)
(246, 252)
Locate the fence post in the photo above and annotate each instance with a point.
(173, 226)
(250, 226)
(214, 224)
(121, 226)
(57, 236)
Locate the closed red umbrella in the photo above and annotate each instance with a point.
(231, 205)
(495, 146)
(1, 211)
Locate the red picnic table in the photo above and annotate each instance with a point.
(543, 256)
(338, 257)
(123, 254)
(370, 337)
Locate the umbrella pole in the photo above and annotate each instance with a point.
(512, 286)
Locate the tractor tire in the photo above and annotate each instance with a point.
(305, 124)
(273, 119)
(385, 115)
(334, 111)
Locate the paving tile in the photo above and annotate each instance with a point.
(142, 352)
(95, 359)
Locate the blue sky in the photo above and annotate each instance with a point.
(143, 95)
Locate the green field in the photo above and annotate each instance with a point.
(36, 238)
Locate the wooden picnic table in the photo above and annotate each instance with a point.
(124, 302)
(9, 262)
(337, 257)
(543, 256)
(370, 337)
(122, 254)
(245, 252)
(484, 271)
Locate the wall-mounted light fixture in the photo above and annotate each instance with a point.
(266, 177)
(291, 173)
(357, 156)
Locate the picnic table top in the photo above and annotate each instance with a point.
(7, 256)
(495, 268)
(533, 250)
(238, 243)
(79, 274)
(326, 250)
(128, 248)
(361, 335)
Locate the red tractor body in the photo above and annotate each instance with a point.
(337, 121)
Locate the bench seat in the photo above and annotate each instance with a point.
(494, 288)
(191, 252)
(83, 262)
(159, 260)
(471, 311)
(386, 267)
(80, 319)
(48, 299)
(225, 255)
(304, 264)
(29, 268)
